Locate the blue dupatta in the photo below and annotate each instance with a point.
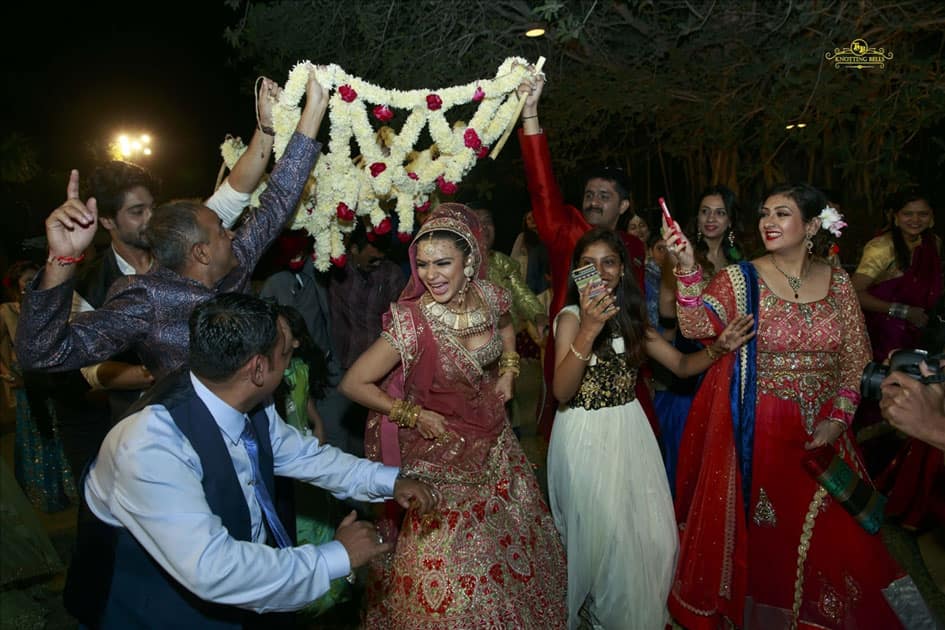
(743, 386)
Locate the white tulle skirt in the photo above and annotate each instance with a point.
(611, 504)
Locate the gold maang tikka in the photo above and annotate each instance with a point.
(428, 248)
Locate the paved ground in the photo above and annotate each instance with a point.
(923, 557)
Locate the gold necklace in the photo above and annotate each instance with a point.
(461, 323)
(793, 281)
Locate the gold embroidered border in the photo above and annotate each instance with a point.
(807, 532)
(731, 513)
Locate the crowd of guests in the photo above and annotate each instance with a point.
(236, 458)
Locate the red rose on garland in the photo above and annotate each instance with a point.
(434, 102)
(344, 212)
(404, 237)
(471, 139)
(383, 113)
(447, 188)
(482, 152)
(413, 176)
(339, 261)
(383, 227)
(423, 207)
(377, 168)
(347, 93)
(478, 95)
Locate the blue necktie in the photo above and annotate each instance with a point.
(262, 493)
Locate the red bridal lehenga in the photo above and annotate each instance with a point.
(791, 556)
(489, 555)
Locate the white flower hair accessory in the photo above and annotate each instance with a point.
(832, 221)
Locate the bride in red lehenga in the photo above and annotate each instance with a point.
(763, 544)
(488, 556)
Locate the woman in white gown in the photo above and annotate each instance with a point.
(608, 488)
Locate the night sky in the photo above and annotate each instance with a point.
(77, 75)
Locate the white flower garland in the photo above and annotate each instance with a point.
(389, 168)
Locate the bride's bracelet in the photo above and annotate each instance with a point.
(509, 362)
(404, 413)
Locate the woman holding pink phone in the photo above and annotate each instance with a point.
(793, 557)
(607, 485)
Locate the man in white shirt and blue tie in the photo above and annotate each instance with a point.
(177, 518)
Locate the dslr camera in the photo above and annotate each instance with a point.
(905, 361)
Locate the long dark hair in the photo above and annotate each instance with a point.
(630, 322)
(732, 253)
(309, 352)
(894, 204)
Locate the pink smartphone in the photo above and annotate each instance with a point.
(666, 215)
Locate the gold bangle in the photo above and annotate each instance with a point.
(505, 369)
(683, 273)
(404, 414)
(714, 354)
(509, 362)
(580, 356)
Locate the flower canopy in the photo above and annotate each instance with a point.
(387, 167)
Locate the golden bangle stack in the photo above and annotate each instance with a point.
(509, 362)
(714, 354)
(404, 413)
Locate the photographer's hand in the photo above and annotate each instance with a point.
(914, 408)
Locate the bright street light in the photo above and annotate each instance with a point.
(127, 146)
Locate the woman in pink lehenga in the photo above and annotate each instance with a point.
(488, 556)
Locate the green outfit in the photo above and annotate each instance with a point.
(505, 272)
(312, 505)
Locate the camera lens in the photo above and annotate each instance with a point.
(873, 376)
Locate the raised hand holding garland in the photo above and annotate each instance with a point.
(389, 167)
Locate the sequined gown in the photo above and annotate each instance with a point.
(792, 556)
(488, 557)
(611, 502)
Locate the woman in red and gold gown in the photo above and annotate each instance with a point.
(488, 556)
(763, 545)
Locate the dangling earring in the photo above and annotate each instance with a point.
(468, 274)
(699, 235)
(810, 245)
(731, 238)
